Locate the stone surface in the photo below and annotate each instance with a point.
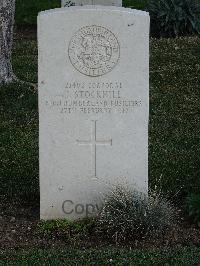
(68, 3)
(93, 106)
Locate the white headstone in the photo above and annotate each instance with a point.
(93, 106)
(68, 3)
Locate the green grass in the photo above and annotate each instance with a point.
(80, 228)
(19, 142)
(174, 136)
(19, 128)
(27, 10)
(187, 256)
(174, 131)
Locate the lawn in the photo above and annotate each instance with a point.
(187, 256)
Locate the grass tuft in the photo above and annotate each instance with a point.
(129, 214)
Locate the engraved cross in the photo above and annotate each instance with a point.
(93, 142)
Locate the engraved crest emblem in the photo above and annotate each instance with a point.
(94, 51)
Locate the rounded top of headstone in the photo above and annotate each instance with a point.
(94, 8)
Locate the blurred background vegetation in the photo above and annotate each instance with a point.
(169, 18)
(27, 10)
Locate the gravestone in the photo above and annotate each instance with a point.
(68, 3)
(93, 106)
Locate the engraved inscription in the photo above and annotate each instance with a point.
(94, 51)
(93, 98)
(93, 142)
(69, 3)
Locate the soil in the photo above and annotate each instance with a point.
(19, 229)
